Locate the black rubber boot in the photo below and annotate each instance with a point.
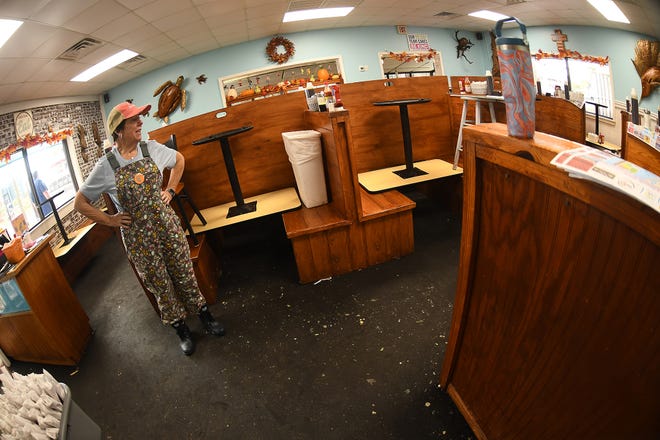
(210, 324)
(187, 344)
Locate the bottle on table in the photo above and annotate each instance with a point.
(320, 97)
(468, 87)
(310, 94)
(336, 97)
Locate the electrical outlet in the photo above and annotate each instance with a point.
(363, 68)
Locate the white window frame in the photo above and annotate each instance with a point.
(552, 76)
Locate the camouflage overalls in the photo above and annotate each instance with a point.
(155, 242)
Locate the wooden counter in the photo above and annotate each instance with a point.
(554, 331)
(55, 329)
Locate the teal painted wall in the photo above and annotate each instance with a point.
(360, 46)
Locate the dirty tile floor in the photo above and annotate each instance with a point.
(357, 356)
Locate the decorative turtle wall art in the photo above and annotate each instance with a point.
(171, 95)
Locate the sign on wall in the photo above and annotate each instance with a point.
(23, 123)
(418, 42)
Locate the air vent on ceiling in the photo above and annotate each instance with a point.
(445, 14)
(514, 2)
(301, 5)
(80, 49)
(134, 61)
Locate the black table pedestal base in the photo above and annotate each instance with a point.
(241, 209)
(408, 173)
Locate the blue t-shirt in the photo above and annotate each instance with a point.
(102, 178)
(41, 188)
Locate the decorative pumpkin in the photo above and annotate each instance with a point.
(323, 74)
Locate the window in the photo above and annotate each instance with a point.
(29, 177)
(592, 79)
(403, 65)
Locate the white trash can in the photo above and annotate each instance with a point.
(306, 157)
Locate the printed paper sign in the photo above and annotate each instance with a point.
(418, 42)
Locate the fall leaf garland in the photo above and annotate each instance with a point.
(277, 57)
(32, 140)
(563, 54)
(419, 57)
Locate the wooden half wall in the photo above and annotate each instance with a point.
(262, 164)
(376, 131)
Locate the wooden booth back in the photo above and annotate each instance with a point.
(262, 164)
(376, 131)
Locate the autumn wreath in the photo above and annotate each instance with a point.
(276, 57)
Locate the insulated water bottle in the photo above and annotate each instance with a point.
(517, 77)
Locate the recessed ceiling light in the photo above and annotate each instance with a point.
(7, 29)
(104, 65)
(609, 10)
(311, 14)
(488, 15)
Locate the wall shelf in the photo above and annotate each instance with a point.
(278, 80)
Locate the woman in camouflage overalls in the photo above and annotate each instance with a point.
(131, 173)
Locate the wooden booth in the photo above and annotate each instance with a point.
(554, 331)
(356, 228)
(236, 160)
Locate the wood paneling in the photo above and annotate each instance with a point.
(207, 268)
(56, 330)
(637, 151)
(553, 332)
(261, 161)
(376, 131)
(355, 229)
(76, 260)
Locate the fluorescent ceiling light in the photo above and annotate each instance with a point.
(104, 65)
(609, 10)
(7, 29)
(488, 15)
(311, 14)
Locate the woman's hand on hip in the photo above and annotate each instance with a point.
(120, 220)
(166, 196)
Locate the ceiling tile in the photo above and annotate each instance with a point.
(58, 42)
(58, 12)
(96, 16)
(163, 8)
(27, 39)
(120, 27)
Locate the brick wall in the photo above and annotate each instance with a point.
(58, 117)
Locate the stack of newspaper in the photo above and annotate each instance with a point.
(612, 171)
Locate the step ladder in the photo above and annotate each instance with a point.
(477, 119)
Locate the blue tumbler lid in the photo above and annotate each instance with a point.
(510, 40)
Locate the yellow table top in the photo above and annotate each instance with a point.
(269, 203)
(606, 145)
(61, 249)
(380, 180)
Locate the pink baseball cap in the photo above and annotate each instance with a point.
(123, 111)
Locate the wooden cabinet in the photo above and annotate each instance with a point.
(554, 332)
(55, 329)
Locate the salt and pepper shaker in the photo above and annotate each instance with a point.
(489, 83)
(634, 107)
